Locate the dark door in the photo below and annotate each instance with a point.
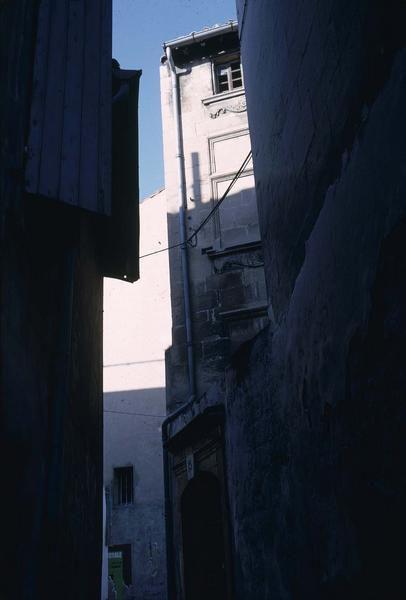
(203, 539)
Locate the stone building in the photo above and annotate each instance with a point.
(315, 406)
(218, 294)
(291, 474)
(63, 200)
(136, 334)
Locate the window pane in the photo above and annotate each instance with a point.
(223, 83)
(236, 78)
(228, 76)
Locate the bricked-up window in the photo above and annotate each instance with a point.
(123, 485)
(228, 76)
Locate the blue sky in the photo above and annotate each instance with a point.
(139, 29)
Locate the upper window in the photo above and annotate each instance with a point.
(123, 485)
(228, 76)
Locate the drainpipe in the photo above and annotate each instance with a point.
(180, 159)
(170, 563)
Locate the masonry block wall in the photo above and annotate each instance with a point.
(315, 405)
(228, 294)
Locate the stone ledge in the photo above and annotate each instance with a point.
(224, 96)
(237, 249)
(247, 312)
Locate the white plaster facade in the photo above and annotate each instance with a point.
(137, 326)
(216, 141)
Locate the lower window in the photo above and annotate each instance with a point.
(120, 568)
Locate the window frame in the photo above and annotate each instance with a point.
(123, 497)
(126, 556)
(225, 62)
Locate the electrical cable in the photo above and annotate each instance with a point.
(191, 242)
(229, 266)
(223, 197)
(211, 213)
(123, 412)
(162, 250)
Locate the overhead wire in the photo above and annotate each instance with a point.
(223, 197)
(161, 250)
(190, 241)
(136, 414)
(211, 213)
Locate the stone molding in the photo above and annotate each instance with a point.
(237, 106)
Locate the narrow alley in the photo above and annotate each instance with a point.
(203, 299)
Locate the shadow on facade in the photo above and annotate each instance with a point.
(227, 283)
(133, 480)
(145, 398)
(228, 307)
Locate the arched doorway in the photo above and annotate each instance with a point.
(204, 557)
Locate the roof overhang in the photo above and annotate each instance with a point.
(200, 36)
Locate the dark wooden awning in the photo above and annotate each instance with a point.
(120, 232)
(82, 147)
(69, 142)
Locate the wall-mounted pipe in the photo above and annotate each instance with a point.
(180, 160)
(171, 587)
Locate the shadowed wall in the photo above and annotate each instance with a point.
(315, 405)
(50, 361)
